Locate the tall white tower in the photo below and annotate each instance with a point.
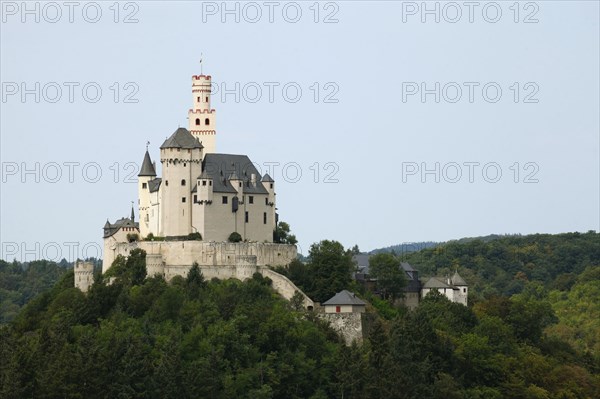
(202, 119)
(181, 158)
(147, 173)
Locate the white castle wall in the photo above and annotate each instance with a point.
(185, 253)
(216, 260)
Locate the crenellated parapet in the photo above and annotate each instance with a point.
(84, 275)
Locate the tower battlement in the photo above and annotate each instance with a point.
(84, 275)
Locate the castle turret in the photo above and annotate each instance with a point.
(463, 288)
(84, 275)
(202, 119)
(147, 173)
(181, 158)
(269, 184)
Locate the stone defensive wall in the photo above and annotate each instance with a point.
(185, 253)
(217, 260)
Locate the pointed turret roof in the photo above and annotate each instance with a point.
(181, 138)
(147, 168)
(267, 178)
(458, 280)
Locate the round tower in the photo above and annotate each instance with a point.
(181, 159)
(202, 119)
(147, 173)
(84, 275)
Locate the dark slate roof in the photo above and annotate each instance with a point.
(458, 280)
(407, 267)
(147, 168)
(345, 297)
(219, 168)
(182, 138)
(110, 229)
(435, 282)
(154, 184)
(362, 261)
(266, 178)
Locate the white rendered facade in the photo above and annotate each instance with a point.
(202, 191)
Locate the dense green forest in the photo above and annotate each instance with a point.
(19, 283)
(141, 337)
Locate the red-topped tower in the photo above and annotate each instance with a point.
(202, 119)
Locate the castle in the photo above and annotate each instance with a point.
(188, 215)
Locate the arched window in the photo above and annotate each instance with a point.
(198, 99)
(197, 121)
(206, 99)
(183, 182)
(207, 122)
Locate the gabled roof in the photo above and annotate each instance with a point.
(181, 138)
(345, 297)
(110, 229)
(220, 168)
(435, 282)
(407, 267)
(147, 168)
(362, 261)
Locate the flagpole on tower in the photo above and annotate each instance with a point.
(201, 64)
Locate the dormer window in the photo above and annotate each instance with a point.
(197, 121)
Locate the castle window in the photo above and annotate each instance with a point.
(182, 199)
(197, 121)
(271, 185)
(166, 182)
(224, 199)
(206, 98)
(183, 182)
(240, 184)
(207, 121)
(267, 201)
(246, 216)
(210, 183)
(265, 218)
(198, 99)
(251, 199)
(144, 185)
(338, 309)
(204, 182)
(464, 290)
(195, 198)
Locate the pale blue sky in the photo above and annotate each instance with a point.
(369, 57)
